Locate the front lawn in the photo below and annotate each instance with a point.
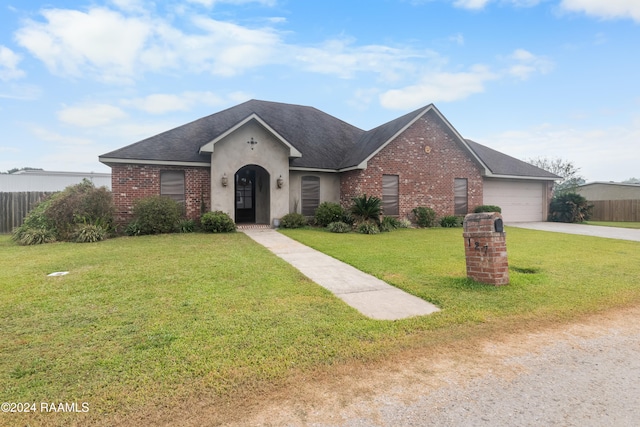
(146, 323)
(620, 224)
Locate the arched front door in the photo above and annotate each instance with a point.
(252, 195)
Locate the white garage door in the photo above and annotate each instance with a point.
(521, 201)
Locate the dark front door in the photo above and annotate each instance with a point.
(245, 195)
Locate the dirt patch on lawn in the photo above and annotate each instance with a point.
(347, 392)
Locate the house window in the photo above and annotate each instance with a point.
(390, 203)
(172, 185)
(460, 191)
(310, 195)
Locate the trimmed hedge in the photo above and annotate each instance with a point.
(293, 220)
(487, 208)
(217, 222)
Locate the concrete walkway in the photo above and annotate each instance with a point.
(586, 230)
(367, 294)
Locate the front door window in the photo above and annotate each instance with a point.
(245, 181)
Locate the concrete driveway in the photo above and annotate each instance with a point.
(586, 230)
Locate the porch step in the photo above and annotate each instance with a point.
(252, 226)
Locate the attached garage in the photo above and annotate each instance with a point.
(520, 200)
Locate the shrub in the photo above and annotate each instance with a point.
(186, 226)
(366, 208)
(33, 236)
(425, 217)
(89, 233)
(569, 207)
(78, 204)
(293, 220)
(58, 217)
(156, 214)
(450, 221)
(217, 222)
(339, 227)
(327, 213)
(389, 223)
(487, 208)
(368, 227)
(404, 223)
(133, 229)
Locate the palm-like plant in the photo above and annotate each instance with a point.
(366, 208)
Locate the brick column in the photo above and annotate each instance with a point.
(486, 248)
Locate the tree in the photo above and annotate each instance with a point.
(633, 180)
(563, 168)
(14, 170)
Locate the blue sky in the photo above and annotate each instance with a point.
(530, 78)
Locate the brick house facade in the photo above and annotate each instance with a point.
(131, 182)
(427, 160)
(260, 160)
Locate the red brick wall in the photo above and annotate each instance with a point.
(132, 182)
(425, 179)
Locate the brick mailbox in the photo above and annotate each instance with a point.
(485, 248)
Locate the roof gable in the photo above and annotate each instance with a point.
(209, 146)
(322, 139)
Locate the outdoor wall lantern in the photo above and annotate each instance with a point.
(225, 180)
(252, 142)
(280, 181)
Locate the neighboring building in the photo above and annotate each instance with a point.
(260, 160)
(594, 191)
(48, 181)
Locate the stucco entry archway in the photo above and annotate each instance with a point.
(252, 195)
(264, 161)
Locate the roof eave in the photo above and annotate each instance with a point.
(113, 160)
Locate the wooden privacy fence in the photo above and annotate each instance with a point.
(14, 207)
(615, 210)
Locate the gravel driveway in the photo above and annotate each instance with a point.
(582, 382)
(584, 374)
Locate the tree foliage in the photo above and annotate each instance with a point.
(569, 173)
(569, 207)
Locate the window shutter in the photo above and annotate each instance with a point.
(172, 185)
(310, 195)
(460, 196)
(390, 192)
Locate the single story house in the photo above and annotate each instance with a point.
(260, 160)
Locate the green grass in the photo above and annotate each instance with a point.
(157, 320)
(614, 224)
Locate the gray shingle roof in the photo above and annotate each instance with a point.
(324, 141)
(322, 138)
(501, 164)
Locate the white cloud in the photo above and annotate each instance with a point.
(161, 103)
(101, 41)
(50, 136)
(526, 64)
(439, 87)
(481, 4)
(210, 3)
(603, 154)
(608, 9)
(91, 115)
(343, 59)
(471, 4)
(113, 47)
(9, 61)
